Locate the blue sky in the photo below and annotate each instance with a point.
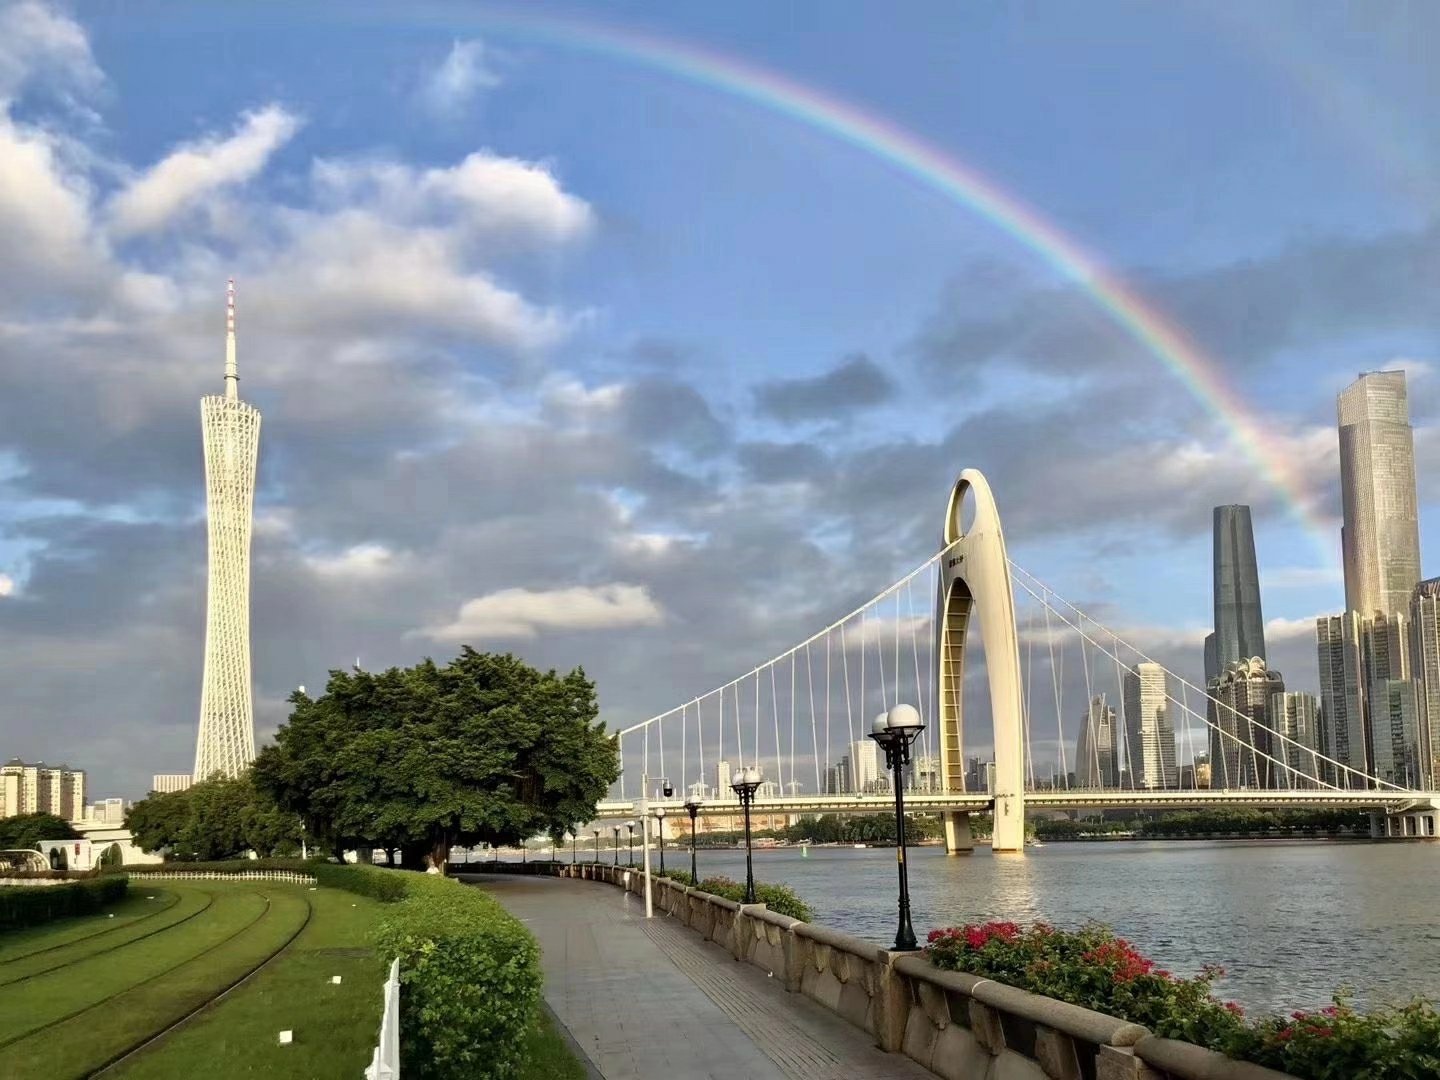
(518, 314)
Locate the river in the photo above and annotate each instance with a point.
(1289, 920)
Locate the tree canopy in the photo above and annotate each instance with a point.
(215, 819)
(485, 749)
(27, 830)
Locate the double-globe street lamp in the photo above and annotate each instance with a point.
(660, 836)
(617, 844)
(692, 807)
(597, 845)
(745, 782)
(631, 826)
(896, 731)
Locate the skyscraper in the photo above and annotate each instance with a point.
(1097, 750)
(1296, 715)
(1149, 733)
(1239, 624)
(1342, 713)
(865, 763)
(1425, 667)
(1242, 746)
(231, 431)
(1380, 540)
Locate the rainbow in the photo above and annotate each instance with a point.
(942, 172)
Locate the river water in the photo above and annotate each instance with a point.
(1289, 920)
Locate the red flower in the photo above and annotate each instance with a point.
(1234, 1009)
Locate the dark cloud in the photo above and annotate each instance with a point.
(1307, 295)
(782, 463)
(856, 383)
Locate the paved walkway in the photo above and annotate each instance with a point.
(651, 998)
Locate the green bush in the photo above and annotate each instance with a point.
(780, 899)
(470, 974)
(29, 905)
(387, 886)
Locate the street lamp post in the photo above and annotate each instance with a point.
(660, 840)
(597, 845)
(574, 846)
(692, 807)
(631, 857)
(745, 782)
(896, 731)
(617, 844)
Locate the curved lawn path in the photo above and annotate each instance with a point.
(73, 1021)
(137, 907)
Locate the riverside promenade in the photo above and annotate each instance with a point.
(651, 999)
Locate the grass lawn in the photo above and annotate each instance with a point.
(19, 944)
(335, 1026)
(549, 1054)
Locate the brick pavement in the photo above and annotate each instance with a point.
(651, 998)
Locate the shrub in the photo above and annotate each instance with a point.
(1093, 968)
(223, 866)
(29, 905)
(372, 881)
(470, 974)
(780, 899)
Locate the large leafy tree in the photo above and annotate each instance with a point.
(215, 819)
(27, 830)
(483, 749)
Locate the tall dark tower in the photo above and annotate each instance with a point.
(1239, 624)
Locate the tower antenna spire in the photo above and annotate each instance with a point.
(232, 374)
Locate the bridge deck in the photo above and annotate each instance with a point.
(651, 998)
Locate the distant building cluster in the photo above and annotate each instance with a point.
(41, 789)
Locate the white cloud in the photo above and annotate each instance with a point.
(362, 561)
(486, 195)
(1302, 577)
(462, 75)
(7, 585)
(37, 42)
(194, 170)
(1281, 629)
(523, 613)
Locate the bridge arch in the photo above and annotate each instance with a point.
(974, 583)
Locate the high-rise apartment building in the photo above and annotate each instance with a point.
(231, 431)
(1342, 713)
(724, 776)
(1097, 750)
(866, 772)
(1239, 623)
(1296, 716)
(1242, 746)
(1380, 540)
(1394, 716)
(41, 789)
(1425, 667)
(165, 783)
(1149, 731)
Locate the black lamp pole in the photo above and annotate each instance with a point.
(574, 846)
(895, 732)
(617, 844)
(597, 845)
(631, 826)
(745, 783)
(660, 838)
(692, 807)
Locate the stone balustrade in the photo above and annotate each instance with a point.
(958, 1026)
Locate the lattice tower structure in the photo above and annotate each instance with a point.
(231, 432)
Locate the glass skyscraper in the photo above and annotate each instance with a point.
(1380, 539)
(1239, 623)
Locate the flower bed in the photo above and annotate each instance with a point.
(1093, 968)
(778, 898)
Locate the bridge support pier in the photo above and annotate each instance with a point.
(958, 840)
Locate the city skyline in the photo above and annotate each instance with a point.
(737, 346)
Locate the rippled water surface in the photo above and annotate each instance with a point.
(1289, 921)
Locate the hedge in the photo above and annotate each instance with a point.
(223, 866)
(29, 905)
(469, 971)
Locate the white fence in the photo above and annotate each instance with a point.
(220, 875)
(385, 1063)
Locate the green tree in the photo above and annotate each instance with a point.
(27, 830)
(215, 819)
(483, 749)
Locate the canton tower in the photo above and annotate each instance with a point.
(231, 430)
